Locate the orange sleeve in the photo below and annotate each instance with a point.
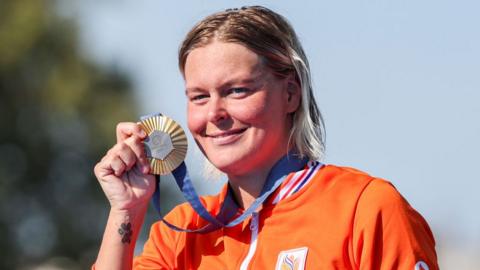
(389, 234)
(159, 251)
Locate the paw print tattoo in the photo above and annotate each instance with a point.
(125, 231)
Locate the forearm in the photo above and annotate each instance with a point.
(118, 244)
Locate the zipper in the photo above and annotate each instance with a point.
(253, 241)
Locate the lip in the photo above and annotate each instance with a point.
(226, 137)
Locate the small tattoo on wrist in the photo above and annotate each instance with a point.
(125, 231)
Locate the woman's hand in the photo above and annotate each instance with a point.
(123, 172)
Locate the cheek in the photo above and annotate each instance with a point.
(254, 111)
(254, 115)
(196, 120)
(262, 111)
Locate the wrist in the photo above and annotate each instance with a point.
(131, 209)
(130, 214)
(127, 224)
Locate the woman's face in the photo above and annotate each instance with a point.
(238, 111)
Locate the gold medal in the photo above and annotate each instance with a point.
(166, 144)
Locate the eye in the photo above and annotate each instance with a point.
(239, 91)
(197, 98)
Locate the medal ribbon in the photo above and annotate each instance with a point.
(287, 164)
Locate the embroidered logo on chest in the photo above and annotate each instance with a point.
(421, 265)
(293, 259)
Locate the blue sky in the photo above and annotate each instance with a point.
(398, 83)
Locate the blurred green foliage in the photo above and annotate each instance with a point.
(58, 112)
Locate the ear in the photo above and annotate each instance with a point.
(293, 94)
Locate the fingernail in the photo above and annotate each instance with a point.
(143, 133)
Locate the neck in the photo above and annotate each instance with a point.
(247, 188)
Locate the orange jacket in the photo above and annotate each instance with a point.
(340, 219)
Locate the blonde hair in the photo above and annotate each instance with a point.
(269, 35)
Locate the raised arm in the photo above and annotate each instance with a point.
(123, 176)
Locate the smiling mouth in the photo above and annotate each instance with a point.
(226, 137)
(227, 133)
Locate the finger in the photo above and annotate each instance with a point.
(131, 152)
(104, 167)
(101, 170)
(136, 145)
(138, 148)
(128, 129)
(126, 154)
(118, 166)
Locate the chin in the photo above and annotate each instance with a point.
(230, 164)
(227, 165)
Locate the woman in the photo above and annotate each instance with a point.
(250, 103)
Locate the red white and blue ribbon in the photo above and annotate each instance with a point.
(286, 165)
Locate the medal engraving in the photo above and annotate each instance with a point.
(158, 145)
(166, 144)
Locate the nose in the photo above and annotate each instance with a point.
(217, 111)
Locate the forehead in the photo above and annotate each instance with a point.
(221, 61)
